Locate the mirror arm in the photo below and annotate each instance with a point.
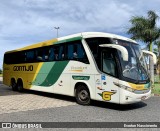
(122, 49)
(152, 54)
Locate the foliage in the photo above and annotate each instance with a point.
(145, 29)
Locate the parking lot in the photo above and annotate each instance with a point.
(11, 101)
(32, 106)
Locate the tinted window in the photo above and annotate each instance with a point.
(30, 56)
(65, 51)
(14, 58)
(109, 63)
(58, 52)
(93, 44)
(75, 51)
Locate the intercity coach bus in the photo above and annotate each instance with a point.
(89, 66)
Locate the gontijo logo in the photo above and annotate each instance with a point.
(23, 68)
(106, 95)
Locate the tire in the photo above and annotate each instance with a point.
(82, 95)
(20, 86)
(13, 85)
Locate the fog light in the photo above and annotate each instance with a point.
(143, 97)
(126, 97)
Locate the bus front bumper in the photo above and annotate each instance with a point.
(127, 97)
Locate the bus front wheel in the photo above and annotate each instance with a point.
(82, 95)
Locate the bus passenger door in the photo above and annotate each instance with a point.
(108, 91)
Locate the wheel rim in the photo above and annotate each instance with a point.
(13, 84)
(19, 87)
(83, 95)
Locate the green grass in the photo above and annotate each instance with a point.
(156, 86)
(0, 75)
(157, 79)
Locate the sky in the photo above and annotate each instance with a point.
(25, 22)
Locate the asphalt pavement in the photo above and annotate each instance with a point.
(0, 80)
(98, 112)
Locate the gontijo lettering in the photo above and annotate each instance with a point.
(23, 68)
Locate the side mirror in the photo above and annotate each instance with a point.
(122, 49)
(152, 54)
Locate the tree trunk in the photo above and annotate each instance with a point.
(150, 47)
(158, 64)
(151, 64)
(151, 68)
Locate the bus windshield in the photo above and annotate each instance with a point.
(135, 68)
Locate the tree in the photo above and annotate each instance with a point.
(158, 50)
(146, 30)
(0, 71)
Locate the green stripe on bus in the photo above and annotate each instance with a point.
(54, 73)
(42, 74)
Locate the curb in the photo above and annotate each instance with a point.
(155, 94)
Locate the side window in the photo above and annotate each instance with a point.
(11, 58)
(75, 51)
(14, 57)
(39, 54)
(109, 64)
(94, 43)
(58, 52)
(51, 54)
(6, 59)
(43, 54)
(61, 53)
(30, 56)
(46, 54)
(20, 56)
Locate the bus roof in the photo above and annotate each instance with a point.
(73, 37)
(96, 34)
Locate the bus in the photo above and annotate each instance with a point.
(88, 66)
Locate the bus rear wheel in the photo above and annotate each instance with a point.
(13, 85)
(82, 95)
(20, 86)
